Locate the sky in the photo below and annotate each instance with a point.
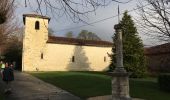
(104, 29)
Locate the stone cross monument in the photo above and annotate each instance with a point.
(120, 80)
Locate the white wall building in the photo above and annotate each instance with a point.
(48, 53)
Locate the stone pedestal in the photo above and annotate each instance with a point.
(120, 86)
(120, 78)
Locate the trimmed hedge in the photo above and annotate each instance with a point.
(164, 81)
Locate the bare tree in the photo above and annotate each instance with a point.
(6, 9)
(75, 10)
(8, 22)
(154, 19)
(7, 31)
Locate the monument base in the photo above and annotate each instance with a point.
(120, 86)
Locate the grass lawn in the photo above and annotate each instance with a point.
(89, 84)
(1, 97)
(1, 93)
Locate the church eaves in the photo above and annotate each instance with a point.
(36, 16)
(74, 41)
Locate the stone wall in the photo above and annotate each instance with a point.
(34, 42)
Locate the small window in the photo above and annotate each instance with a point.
(37, 25)
(104, 59)
(24, 20)
(73, 59)
(42, 56)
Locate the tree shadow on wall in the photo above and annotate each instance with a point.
(79, 61)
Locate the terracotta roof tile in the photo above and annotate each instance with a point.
(159, 49)
(74, 41)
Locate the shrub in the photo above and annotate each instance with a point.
(164, 81)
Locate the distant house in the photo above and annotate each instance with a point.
(48, 53)
(158, 58)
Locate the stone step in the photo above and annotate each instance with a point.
(107, 97)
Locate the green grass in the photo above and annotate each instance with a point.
(1, 93)
(81, 84)
(1, 96)
(89, 84)
(147, 89)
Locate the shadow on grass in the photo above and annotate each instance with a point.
(147, 89)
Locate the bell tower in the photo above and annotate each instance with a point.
(34, 40)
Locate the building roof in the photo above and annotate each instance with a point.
(73, 41)
(36, 15)
(159, 49)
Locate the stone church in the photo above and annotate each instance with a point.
(48, 53)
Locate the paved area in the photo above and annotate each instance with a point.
(107, 97)
(27, 87)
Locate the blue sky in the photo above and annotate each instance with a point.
(103, 29)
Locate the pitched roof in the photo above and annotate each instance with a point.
(36, 15)
(74, 41)
(159, 49)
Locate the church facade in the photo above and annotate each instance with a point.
(48, 53)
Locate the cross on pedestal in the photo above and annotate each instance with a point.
(120, 78)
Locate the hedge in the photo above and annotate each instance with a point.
(164, 81)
